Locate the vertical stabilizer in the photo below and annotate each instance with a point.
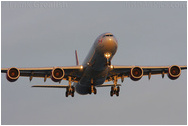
(77, 61)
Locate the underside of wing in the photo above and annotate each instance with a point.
(136, 72)
(56, 73)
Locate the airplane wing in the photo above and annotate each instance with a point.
(74, 72)
(128, 71)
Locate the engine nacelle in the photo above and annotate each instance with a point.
(13, 74)
(174, 72)
(136, 73)
(57, 74)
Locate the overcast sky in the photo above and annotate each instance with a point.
(45, 34)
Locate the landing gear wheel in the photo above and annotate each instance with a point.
(95, 91)
(111, 93)
(72, 94)
(90, 91)
(66, 93)
(118, 89)
(73, 89)
(117, 93)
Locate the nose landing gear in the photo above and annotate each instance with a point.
(93, 89)
(108, 63)
(108, 55)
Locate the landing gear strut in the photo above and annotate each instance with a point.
(70, 89)
(115, 89)
(108, 63)
(93, 89)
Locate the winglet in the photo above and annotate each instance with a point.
(77, 61)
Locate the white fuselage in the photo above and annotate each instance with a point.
(95, 64)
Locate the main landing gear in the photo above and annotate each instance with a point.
(93, 89)
(70, 89)
(115, 89)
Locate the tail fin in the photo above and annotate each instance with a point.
(77, 61)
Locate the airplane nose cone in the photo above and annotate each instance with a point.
(108, 44)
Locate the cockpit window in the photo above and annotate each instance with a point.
(107, 35)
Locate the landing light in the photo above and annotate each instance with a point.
(107, 55)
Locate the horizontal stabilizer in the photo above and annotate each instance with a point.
(107, 85)
(51, 86)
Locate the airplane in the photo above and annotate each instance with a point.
(94, 72)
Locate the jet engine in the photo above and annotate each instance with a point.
(174, 72)
(57, 74)
(136, 73)
(12, 74)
